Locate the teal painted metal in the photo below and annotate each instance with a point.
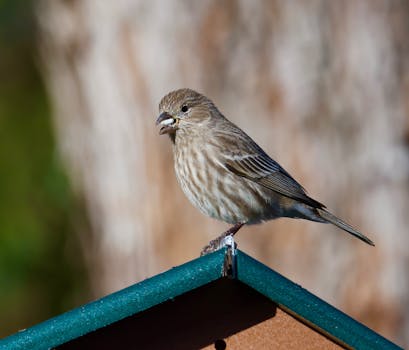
(185, 278)
(116, 306)
(299, 302)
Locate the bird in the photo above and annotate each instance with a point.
(227, 175)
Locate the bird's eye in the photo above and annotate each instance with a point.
(184, 108)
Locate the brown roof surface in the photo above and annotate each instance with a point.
(281, 331)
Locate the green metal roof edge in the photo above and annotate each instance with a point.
(179, 280)
(116, 306)
(316, 312)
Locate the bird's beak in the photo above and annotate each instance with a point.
(168, 123)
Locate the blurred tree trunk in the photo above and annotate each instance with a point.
(324, 88)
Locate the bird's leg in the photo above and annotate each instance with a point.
(217, 243)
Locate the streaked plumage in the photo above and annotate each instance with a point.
(225, 174)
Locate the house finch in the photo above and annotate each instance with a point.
(226, 175)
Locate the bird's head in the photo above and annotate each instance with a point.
(183, 109)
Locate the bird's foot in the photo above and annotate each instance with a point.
(225, 239)
(216, 244)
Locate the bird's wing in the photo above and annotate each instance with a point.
(263, 170)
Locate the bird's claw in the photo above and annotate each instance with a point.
(218, 243)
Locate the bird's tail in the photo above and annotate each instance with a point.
(327, 216)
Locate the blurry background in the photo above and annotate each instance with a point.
(89, 201)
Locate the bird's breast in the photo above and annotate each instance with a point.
(217, 192)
